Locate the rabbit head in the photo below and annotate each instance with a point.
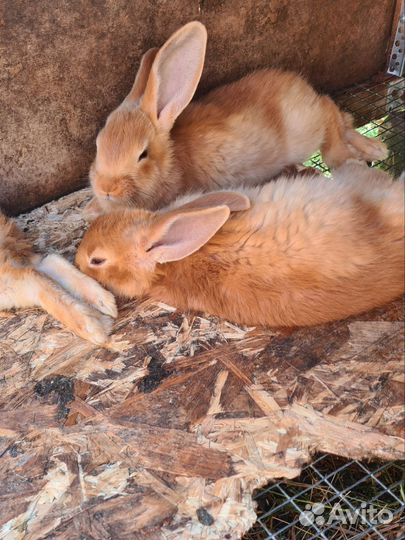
(134, 162)
(127, 249)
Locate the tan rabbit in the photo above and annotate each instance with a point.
(154, 147)
(28, 279)
(309, 250)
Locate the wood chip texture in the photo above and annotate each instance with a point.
(165, 433)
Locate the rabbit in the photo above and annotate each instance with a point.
(156, 146)
(294, 252)
(28, 279)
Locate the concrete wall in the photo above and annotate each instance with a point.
(66, 63)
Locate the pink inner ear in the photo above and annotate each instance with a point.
(175, 74)
(177, 79)
(177, 235)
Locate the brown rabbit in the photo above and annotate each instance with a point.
(309, 250)
(28, 279)
(150, 151)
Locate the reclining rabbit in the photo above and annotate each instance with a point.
(296, 251)
(28, 279)
(156, 145)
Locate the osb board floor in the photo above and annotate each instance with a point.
(165, 433)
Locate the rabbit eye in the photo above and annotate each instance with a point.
(94, 261)
(143, 155)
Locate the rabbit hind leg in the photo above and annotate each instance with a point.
(25, 287)
(335, 150)
(343, 142)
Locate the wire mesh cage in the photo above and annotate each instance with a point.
(378, 109)
(334, 498)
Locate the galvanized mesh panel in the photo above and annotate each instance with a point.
(336, 499)
(323, 501)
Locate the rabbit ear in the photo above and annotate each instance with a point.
(142, 76)
(234, 200)
(175, 74)
(177, 235)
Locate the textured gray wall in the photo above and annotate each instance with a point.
(66, 63)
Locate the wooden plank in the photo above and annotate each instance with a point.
(165, 433)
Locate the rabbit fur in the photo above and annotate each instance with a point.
(156, 146)
(296, 251)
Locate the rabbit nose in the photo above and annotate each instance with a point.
(105, 194)
(108, 192)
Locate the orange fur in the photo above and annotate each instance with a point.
(309, 250)
(246, 131)
(28, 279)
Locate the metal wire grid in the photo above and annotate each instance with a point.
(329, 479)
(383, 103)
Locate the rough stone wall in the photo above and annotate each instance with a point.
(66, 63)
